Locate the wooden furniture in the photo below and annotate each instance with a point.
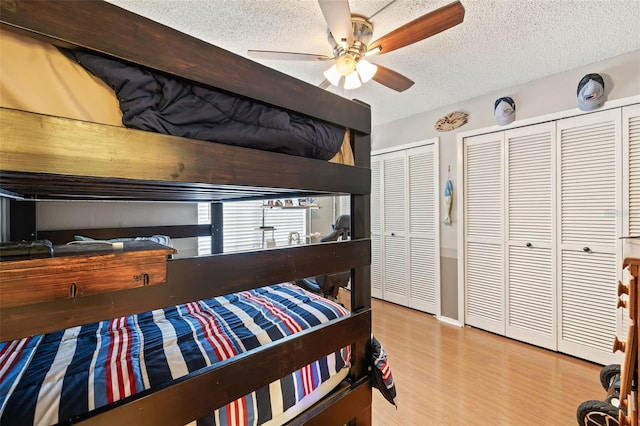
(81, 270)
(47, 157)
(630, 367)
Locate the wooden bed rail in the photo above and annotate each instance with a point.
(187, 280)
(173, 231)
(339, 408)
(82, 160)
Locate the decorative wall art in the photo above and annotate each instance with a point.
(451, 121)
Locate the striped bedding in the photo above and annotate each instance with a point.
(55, 377)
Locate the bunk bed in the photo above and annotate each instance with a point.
(44, 156)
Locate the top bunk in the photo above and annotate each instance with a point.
(51, 157)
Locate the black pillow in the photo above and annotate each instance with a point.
(381, 377)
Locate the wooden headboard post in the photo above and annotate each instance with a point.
(361, 276)
(361, 220)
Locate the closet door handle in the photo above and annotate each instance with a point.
(393, 234)
(586, 249)
(529, 245)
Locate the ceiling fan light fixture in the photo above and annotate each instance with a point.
(346, 64)
(352, 81)
(366, 70)
(333, 75)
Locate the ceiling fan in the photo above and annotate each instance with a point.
(349, 36)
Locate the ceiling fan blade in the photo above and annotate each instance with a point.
(338, 17)
(425, 26)
(392, 79)
(287, 56)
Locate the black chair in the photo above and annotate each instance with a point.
(329, 285)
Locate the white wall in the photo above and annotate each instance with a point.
(55, 215)
(52, 215)
(552, 94)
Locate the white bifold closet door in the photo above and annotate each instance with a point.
(530, 207)
(423, 242)
(631, 180)
(589, 166)
(376, 229)
(404, 227)
(394, 238)
(483, 215)
(544, 208)
(630, 198)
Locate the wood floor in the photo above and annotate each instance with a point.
(448, 375)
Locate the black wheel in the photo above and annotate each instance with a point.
(597, 413)
(607, 373)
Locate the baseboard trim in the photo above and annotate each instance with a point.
(449, 321)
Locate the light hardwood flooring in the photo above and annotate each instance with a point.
(448, 375)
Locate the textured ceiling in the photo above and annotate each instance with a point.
(500, 44)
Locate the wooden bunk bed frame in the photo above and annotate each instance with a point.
(46, 157)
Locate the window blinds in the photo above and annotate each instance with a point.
(242, 221)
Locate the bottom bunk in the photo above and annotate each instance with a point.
(193, 340)
(69, 375)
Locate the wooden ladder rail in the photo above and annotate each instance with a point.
(630, 368)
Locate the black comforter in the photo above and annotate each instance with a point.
(156, 102)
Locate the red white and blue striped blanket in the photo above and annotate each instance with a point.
(55, 377)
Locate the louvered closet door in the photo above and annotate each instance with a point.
(631, 180)
(484, 277)
(396, 284)
(376, 229)
(424, 259)
(530, 286)
(630, 198)
(588, 174)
